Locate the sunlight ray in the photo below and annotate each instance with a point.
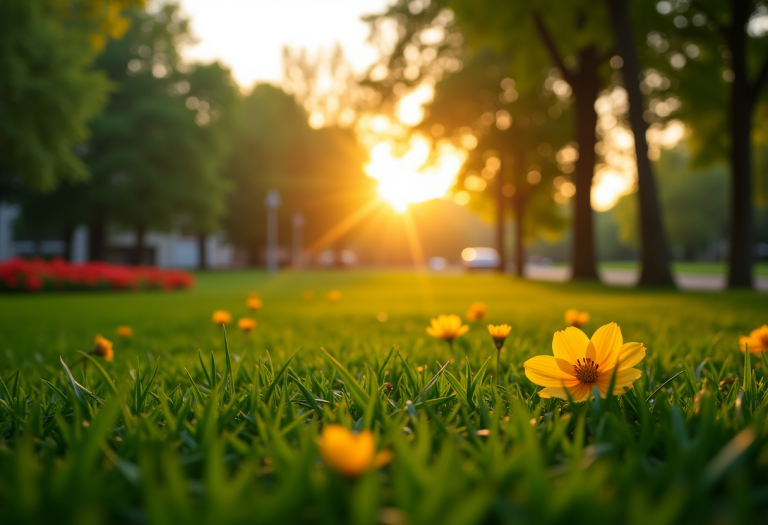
(344, 226)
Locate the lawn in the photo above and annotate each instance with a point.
(203, 442)
(684, 267)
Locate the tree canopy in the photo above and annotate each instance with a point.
(48, 88)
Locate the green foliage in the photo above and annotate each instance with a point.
(688, 44)
(48, 88)
(469, 101)
(48, 92)
(234, 440)
(164, 134)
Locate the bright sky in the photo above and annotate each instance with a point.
(249, 35)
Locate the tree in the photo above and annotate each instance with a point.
(156, 152)
(48, 89)
(655, 251)
(717, 54)
(573, 38)
(58, 212)
(695, 205)
(317, 172)
(514, 161)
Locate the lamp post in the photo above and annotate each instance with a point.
(298, 244)
(272, 201)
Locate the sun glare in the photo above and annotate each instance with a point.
(414, 176)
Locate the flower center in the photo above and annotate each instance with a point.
(586, 372)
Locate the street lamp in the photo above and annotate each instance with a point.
(272, 201)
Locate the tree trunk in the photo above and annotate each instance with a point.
(202, 255)
(654, 248)
(140, 248)
(254, 254)
(517, 167)
(97, 238)
(740, 124)
(519, 210)
(500, 222)
(67, 234)
(586, 85)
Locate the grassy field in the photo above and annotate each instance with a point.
(683, 267)
(235, 440)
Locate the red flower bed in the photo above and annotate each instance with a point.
(36, 274)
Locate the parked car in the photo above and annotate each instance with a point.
(476, 258)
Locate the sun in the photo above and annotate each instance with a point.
(414, 176)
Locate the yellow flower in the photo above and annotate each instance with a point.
(334, 296)
(246, 325)
(756, 342)
(499, 333)
(103, 348)
(351, 454)
(447, 327)
(575, 318)
(579, 364)
(254, 304)
(222, 317)
(124, 331)
(477, 311)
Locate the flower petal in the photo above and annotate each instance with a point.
(579, 392)
(607, 340)
(591, 352)
(565, 366)
(624, 380)
(544, 371)
(570, 344)
(630, 354)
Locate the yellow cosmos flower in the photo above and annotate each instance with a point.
(222, 317)
(477, 311)
(124, 331)
(334, 296)
(756, 342)
(351, 454)
(499, 333)
(447, 327)
(246, 324)
(254, 304)
(575, 318)
(580, 364)
(103, 348)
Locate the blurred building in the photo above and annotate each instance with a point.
(166, 250)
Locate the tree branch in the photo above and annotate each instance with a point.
(549, 43)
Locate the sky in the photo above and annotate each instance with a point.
(249, 35)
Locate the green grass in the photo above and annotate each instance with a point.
(684, 267)
(189, 446)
